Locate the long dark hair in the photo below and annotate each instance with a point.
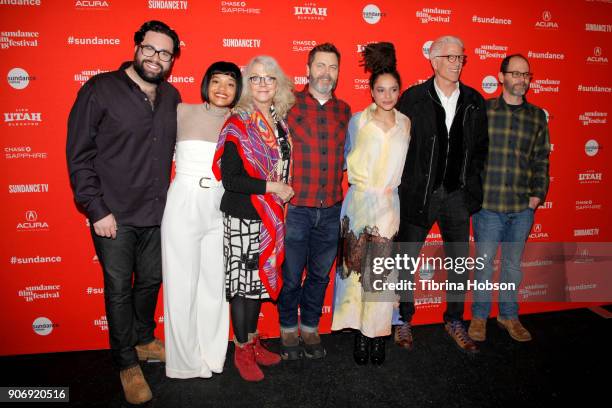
(378, 59)
(222, 68)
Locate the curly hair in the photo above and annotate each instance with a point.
(283, 99)
(378, 59)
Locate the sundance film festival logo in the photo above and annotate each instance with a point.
(433, 15)
(18, 78)
(92, 4)
(310, 11)
(28, 188)
(39, 292)
(22, 152)
(597, 57)
(238, 7)
(31, 222)
(545, 86)
(587, 205)
(491, 20)
(22, 117)
(241, 43)
(168, 5)
(546, 21)
(85, 74)
(590, 177)
(18, 38)
(491, 51)
(371, 14)
(302, 45)
(533, 290)
(489, 84)
(43, 326)
(593, 118)
(101, 323)
(591, 147)
(601, 28)
(545, 55)
(20, 2)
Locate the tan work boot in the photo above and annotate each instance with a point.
(514, 328)
(478, 329)
(313, 348)
(153, 351)
(135, 387)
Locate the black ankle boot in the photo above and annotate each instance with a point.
(361, 352)
(377, 350)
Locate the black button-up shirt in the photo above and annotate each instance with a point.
(119, 148)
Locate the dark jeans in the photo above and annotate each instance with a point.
(130, 307)
(311, 241)
(450, 212)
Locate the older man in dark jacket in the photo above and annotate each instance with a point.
(442, 177)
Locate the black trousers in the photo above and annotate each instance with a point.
(450, 212)
(130, 303)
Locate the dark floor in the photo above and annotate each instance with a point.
(568, 359)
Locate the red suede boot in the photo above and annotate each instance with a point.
(244, 360)
(263, 356)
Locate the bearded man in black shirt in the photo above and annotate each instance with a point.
(121, 136)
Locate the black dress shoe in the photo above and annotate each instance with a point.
(377, 350)
(361, 352)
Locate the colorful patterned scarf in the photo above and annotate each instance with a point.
(259, 161)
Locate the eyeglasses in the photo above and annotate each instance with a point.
(149, 51)
(453, 58)
(268, 80)
(517, 74)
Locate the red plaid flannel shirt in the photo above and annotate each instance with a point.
(318, 133)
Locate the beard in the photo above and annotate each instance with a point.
(517, 89)
(150, 77)
(315, 82)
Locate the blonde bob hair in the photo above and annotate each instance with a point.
(283, 98)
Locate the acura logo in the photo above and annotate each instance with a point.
(546, 15)
(597, 51)
(537, 227)
(31, 215)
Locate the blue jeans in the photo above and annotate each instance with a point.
(311, 242)
(511, 230)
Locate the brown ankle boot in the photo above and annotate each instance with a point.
(155, 350)
(135, 387)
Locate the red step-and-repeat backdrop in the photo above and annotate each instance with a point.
(51, 291)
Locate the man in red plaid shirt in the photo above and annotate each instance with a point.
(318, 123)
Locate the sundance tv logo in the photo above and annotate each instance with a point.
(168, 5)
(310, 11)
(22, 117)
(31, 222)
(241, 43)
(546, 21)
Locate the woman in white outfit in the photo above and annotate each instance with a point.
(196, 312)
